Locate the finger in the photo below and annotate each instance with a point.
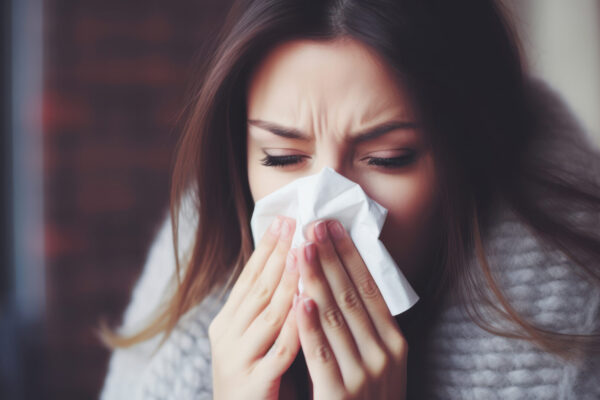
(283, 352)
(371, 297)
(264, 329)
(331, 318)
(259, 295)
(347, 297)
(320, 359)
(253, 267)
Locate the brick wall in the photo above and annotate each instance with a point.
(116, 73)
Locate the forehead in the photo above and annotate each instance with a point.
(301, 79)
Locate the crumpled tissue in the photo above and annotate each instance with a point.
(329, 195)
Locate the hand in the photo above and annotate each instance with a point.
(254, 337)
(351, 342)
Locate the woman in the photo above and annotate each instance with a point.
(426, 106)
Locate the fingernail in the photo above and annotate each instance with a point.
(309, 251)
(286, 229)
(321, 231)
(276, 226)
(309, 304)
(290, 261)
(336, 229)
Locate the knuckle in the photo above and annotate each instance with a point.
(357, 383)
(261, 291)
(333, 317)
(368, 288)
(322, 353)
(271, 318)
(379, 362)
(282, 351)
(398, 346)
(349, 300)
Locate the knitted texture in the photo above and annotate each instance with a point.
(467, 362)
(464, 361)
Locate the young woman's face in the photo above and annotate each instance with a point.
(316, 104)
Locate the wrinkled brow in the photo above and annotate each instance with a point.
(369, 134)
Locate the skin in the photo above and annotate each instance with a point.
(328, 94)
(330, 91)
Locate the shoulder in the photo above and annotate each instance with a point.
(182, 368)
(151, 290)
(469, 362)
(157, 278)
(541, 283)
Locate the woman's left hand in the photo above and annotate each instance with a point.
(351, 342)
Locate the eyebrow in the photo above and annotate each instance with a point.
(369, 134)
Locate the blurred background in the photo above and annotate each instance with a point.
(90, 94)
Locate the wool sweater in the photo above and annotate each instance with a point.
(463, 361)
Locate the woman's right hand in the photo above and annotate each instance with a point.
(254, 338)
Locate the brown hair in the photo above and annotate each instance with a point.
(461, 63)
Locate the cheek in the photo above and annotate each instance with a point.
(411, 201)
(262, 182)
(408, 201)
(409, 198)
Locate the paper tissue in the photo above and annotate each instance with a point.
(329, 195)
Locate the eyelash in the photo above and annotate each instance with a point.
(280, 161)
(393, 162)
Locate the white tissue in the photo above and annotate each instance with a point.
(329, 195)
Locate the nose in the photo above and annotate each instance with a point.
(339, 164)
(335, 153)
(334, 161)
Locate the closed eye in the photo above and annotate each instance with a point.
(281, 161)
(391, 162)
(386, 162)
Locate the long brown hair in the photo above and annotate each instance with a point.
(461, 63)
